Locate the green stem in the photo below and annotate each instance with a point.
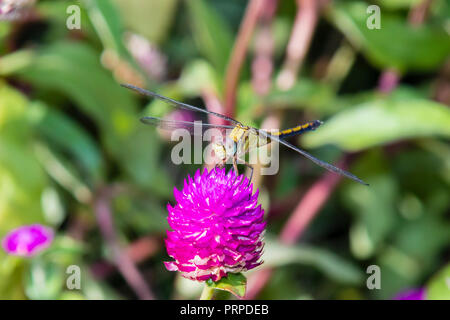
(207, 293)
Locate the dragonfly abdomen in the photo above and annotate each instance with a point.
(298, 129)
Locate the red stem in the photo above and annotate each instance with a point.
(238, 54)
(308, 207)
(121, 259)
(301, 35)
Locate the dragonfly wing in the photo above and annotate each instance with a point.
(319, 162)
(195, 128)
(176, 103)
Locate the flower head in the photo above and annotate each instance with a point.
(217, 226)
(27, 240)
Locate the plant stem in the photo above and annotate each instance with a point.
(121, 258)
(207, 293)
(237, 58)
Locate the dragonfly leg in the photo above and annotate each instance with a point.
(248, 165)
(235, 165)
(220, 164)
(235, 159)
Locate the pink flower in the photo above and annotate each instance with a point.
(27, 240)
(217, 226)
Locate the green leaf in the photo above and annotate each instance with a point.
(22, 179)
(63, 172)
(14, 61)
(150, 18)
(113, 109)
(55, 15)
(106, 19)
(107, 22)
(398, 4)
(57, 66)
(375, 212)
(44, 280)
(211, 34)
(11, 273)
(382, 120)
(69, 137)
(391, 45)
(197, 76)
(277, 254)
(306, 93)
(234, 283)
(439, 286)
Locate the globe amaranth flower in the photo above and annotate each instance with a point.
(217, 226)
(27, 240)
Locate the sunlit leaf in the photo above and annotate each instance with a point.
(198, 76)
(22, 179)
(439, 286)
(382, 120)
(107, 22)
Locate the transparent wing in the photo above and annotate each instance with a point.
(195, 128)
(176, 103)
(321, 163)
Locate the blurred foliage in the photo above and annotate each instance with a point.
(68, 130)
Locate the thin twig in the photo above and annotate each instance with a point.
(262, 64)
(138, 251)
(302, 32)
(121, 259)
(389, 80)
(419, 13)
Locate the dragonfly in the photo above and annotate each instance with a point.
(244, 138)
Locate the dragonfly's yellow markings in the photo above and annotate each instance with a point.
(238, 132)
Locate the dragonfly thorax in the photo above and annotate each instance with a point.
(238, 132)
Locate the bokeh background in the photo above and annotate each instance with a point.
(74, 156)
